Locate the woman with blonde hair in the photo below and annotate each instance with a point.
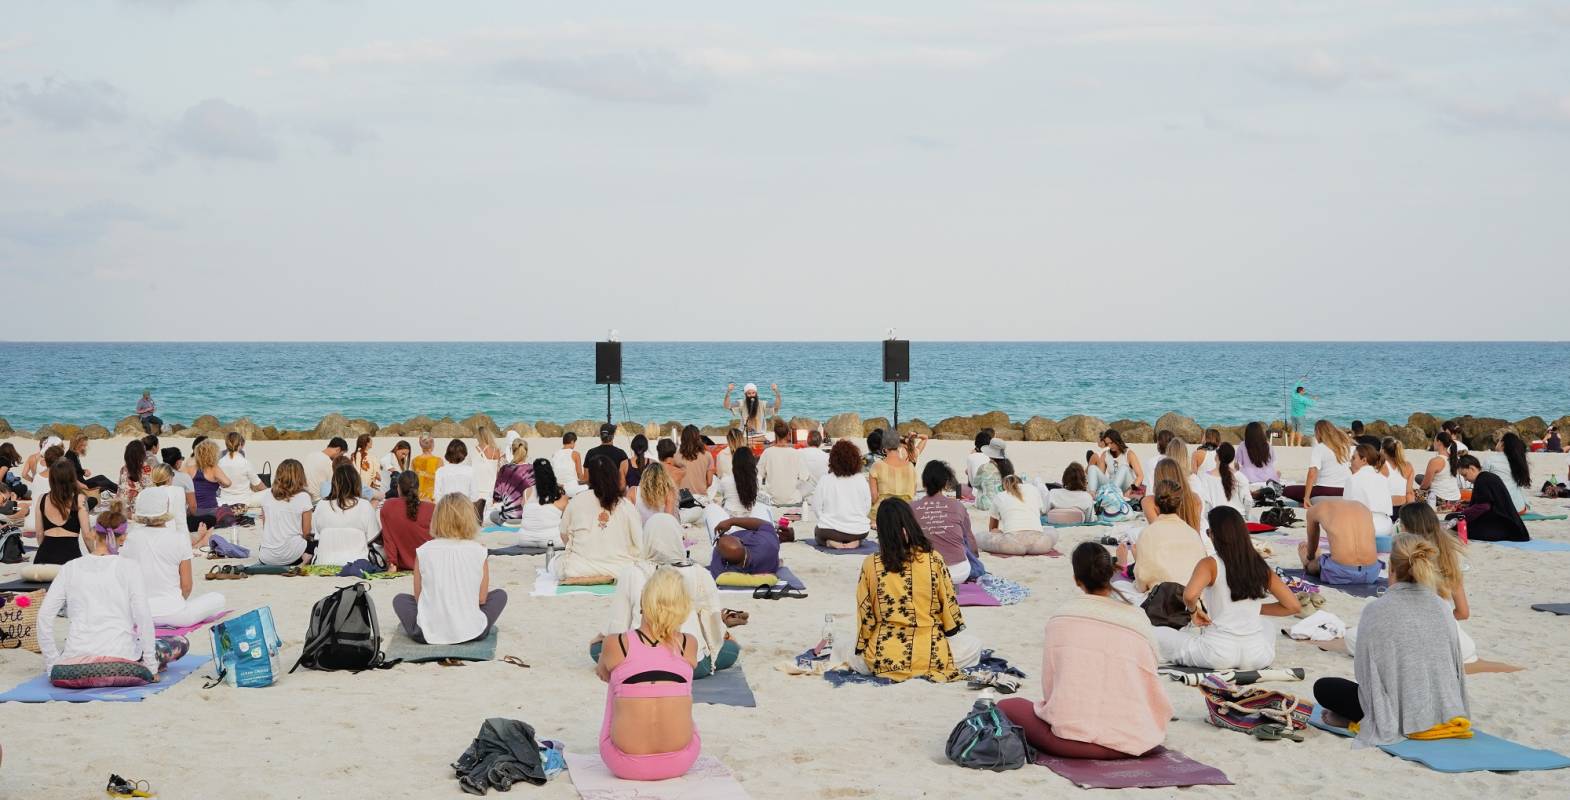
(1329, 465)
(512, 485)
(453, 600)
(648, 733)
(894, 476)
(243, 483)
(487, 464)
(1398, 472)
(1191, 508)
(1014, 524)
(367, 465)
(158, 544)
(209, 479)
(286, 518)
(656, 492)
(1418, 519)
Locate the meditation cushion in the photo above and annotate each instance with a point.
(40, 573)
(96, 672)
(744, 579)
(588, 580)
(19, 620)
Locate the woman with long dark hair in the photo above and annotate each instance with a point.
(1257, 461)
(133, 474)
(696, 463)
(1226, 594)
(1439, 485)
(406, 522)
(601, 529)
(1508, 461)
(946, 522)
(1489, 516)
(739, 493)
(62, 516)
(1116, 465)
(539, 520)
(909, 623)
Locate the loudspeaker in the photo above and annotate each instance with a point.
(896, 361)
(607, 362)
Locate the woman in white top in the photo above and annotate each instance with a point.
(486, 463)
(735, 440)
(397, 461)
(453, 600)
(455, 477)
(1118, 465)
(1398, 472)
(159, 545)
(286, 518)
(1204, 459)
(345, 509)
(1371, 488)
(1508, 461)
(568, 463)
(1223, 486)
(106, 601)
(842, 500)
(1439, 477)
(1328, 465)
(655, 492)
(739, 493)
(367, 465)
(1072, 504)
(1015, 528)
(543, 504)
(243, 483)
(602, 531)
(1226, 594)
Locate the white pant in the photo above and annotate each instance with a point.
(1017, 543)
(197, 608)
(540, 538)
(960, 572)
(964, 646)
(1208, 648)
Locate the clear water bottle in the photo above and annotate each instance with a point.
(826, 641)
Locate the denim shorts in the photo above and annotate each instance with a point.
(1295, 424)
(1334, 573)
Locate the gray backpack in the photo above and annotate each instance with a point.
(985, 739)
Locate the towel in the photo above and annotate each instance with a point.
(1321, 626)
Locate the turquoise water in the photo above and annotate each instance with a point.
(292, 385)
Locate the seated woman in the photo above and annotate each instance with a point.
(453, 600)
(648, 733)
(989, 476)
(90, 483)
(1116, 465)
(1014, 525)
(894, 477)
(947, 524)
(369, 467)
(1410, 678)
(104, 597)
(539, 521)
(1491, 515)
(1257, 460)
(842, 501)
(1073, 504)
(635, 465)
(243, 483)
(738, 494)
(1234, 492)
(513, 482)
(405, 522)
(454, 476)
(1420, 520)
(601, 530)
(909, 623)
(1440, 487)
(656, 491)
(209, 480)
(1226, 595)
(666, 453)
(397, 461)
(1367, 485)
(159, 545)
(1100, 694)
(345, 509)
(1398, 473)
(1508, 461)
(1328, 468)
(286, 518)
(1204, 458)
(62, 518)
(697, 464)
(133, 472)
(1169, 548)
(1170, 468)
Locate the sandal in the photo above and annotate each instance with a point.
(792, 593)
(1274, 732)
(764, 593)
(733, 618)
(453, 662)
(227, 572)
(120, 787)
(1004, 683)
(515, 661)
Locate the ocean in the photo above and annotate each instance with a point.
(292, 385)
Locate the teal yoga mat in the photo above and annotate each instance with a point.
(1533, 516)
(1537, 546)
(1481, 753)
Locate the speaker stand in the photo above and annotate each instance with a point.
(607, 404)
(896, 409)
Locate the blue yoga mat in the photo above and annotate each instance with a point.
(866, 547)
(728, 687)
(38, 690)
(1537, 546)
(1098, 523)
(783, 574)
(1481, 753)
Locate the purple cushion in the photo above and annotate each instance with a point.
(95, 672)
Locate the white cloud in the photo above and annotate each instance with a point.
(1531, 113)
(16, 42)
(218, 129)
(344, 136)
(384, 53)
(68, 104)
(81, 226)
(1318, 69)
(649, 77)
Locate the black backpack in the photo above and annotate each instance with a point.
(343, 633)
(985, 739)
(11, 551)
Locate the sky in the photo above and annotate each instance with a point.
(492, 170)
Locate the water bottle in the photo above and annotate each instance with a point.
(826, 641)
(1461, 530)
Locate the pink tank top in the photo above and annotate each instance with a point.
(644, 658)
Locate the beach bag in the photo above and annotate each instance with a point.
(245, 650)
(985, 739)
(266, 475)
(1278, 516)
(1164, 605)
(11, 551)
(19, 620)
(343, 634)
(686, 499)
(1110, 502)
(1244, 708)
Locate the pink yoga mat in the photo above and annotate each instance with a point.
(1159, 768)
(185, 630)
(972, 594)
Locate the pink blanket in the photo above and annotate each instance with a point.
(186, 629)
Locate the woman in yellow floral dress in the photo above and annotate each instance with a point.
(909, 622)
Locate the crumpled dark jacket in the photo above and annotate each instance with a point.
(502, 754)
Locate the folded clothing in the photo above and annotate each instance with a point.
(1321, 626)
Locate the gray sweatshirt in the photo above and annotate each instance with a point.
(1408, 665)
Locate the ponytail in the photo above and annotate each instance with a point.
(1450, 449)
(1011, 485)
(1225, 454)
(1414, 559)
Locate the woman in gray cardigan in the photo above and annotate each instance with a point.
(1408, 663)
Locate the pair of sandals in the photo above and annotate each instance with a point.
(778, 591)
(227, 572)
(1001, 681)
(733, 618)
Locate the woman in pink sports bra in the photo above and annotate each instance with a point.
(648, 733)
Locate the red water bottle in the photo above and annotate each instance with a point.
(1461, 530)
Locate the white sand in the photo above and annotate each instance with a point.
(392, 734)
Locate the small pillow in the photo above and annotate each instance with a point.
(745, 579)
(40, 573)
(19, 620)
(96, 672)
(588, 580)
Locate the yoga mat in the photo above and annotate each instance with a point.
(1480, 666)
(784, 575)
(186, 629)
(845, 675)
(708, 779)
(546, 585)
(1481, 753)
(727, 687)
(1357, 590)
(1533, 516)
(867, 546)
(500, 529)
(1537, 546)
(1100, 523)
(973, 594)
(265, 569)
(399, 645)
(519, 550)
(1561, 609)
(22, 586)
(1160, 768)
(38, 690)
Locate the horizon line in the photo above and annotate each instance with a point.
(782, 341)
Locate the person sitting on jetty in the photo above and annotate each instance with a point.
(1411, 682)
(781, 469)
(600, 528)
(147, 413)
(1014, 525)
(1371, 488)
(319, 466)
(946, 523)
(539, 521)
(1491, 515)
(569, 466)
(1257, 460)
(159, 545)
(1418, 519)
(1508, 461)
(1226, 596)
(1328, 465)
(1440, 486)
(648, 733)
(453, 600)
(747, 545)
(405, 522)
(1101, 696)
(1350, 556)
(749, 411)
(1169, 548)
(286, 519)
(425, 466)
(1116, 464)
(842, 502)
(738, 494)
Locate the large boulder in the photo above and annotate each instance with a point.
(393, 429)
(5, 427)
(587, 429)
(841, 426)
(548, 429)
(873, 424)
(1231, 434)
(1134, 431)
(715, 432)
(628, 429)
(1182, 427)
(1081, 428)
(524, 429)
(96, 431)
(296, 436)
(1563, 424)
(1378, 428)
(1532, 428)
(478, 421)
(334, 424)
(129, 426)
(269, 433)
(445, 428)
(1411, 437)
(418, 424)
(1427, 423)
(1482, 433)
(915, 426)
(957, 428)
(1009, 433)
(802, 424)
(992, 419)
(1041, 429)
(65, 430)
(245, 427)
(206, 422)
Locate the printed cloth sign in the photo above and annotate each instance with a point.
(19, 620)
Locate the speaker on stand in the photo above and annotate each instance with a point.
(607, 369)
(896, 368)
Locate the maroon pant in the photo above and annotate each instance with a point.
(1296, 492)
(1022, 712)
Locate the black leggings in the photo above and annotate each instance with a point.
(1339, 696)
(101, 483)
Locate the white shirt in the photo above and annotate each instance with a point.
(725, 494)
(242, 476)
(1498, 464)
(448, 610)
(1332, 473)
(540, 519)
(1370, 488)
(973, 462)
(283, 539)
(108, 608)
(455, 479)
(1064, 498)
(842, 504)
(390, 464)
(1014, 514)
(782, 472)
(1238, 618)
(176, 505)
(361, 516)
(816, 460)
(159, 552)
(482, 481)
(318, 470)
(1444, 486)
(566, 471)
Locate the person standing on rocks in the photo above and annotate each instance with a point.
(749, 408)
(146, 411)
(1302, 402)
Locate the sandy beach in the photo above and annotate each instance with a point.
(393, 733)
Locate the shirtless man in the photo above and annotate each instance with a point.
(1349, 533)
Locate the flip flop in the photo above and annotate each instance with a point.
(792, 593)
(763, 593)
(453, 662)
(515, 661)
(726, 615)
